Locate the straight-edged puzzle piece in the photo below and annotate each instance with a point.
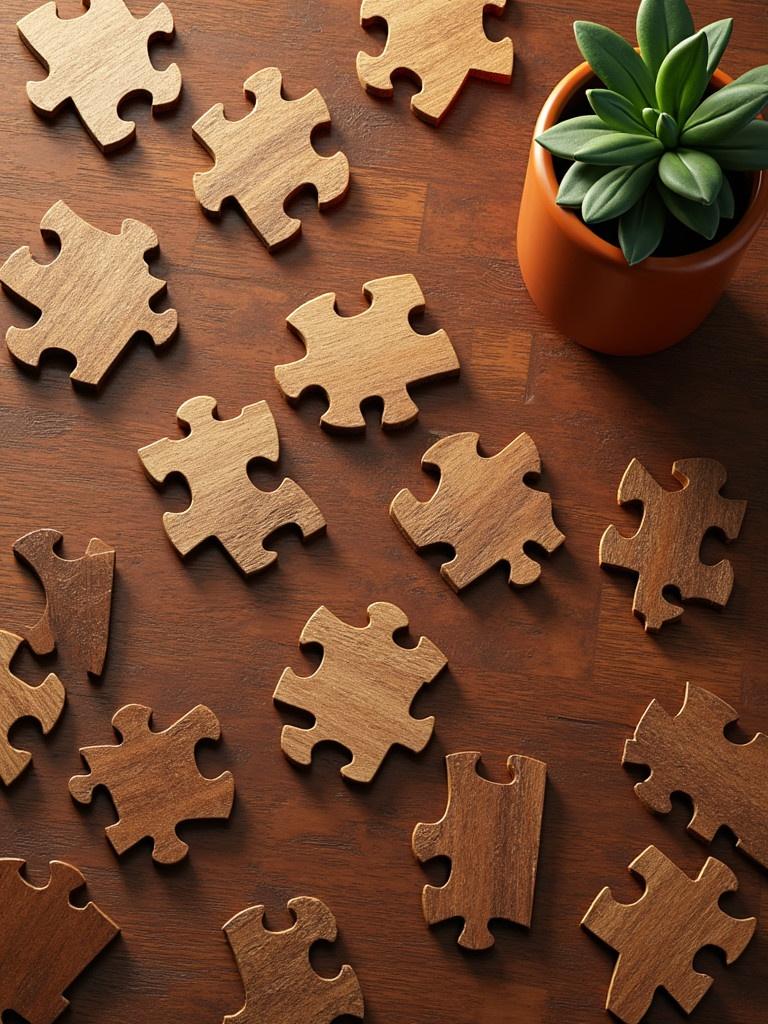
(154, 780)
(281, 986)
(658, 936)
(362, 692)
(376, 354)
(264, 159)
(45, 941)
(94, 297)
(78, 598)
(689, 753)
(98, 60)
(482, 508)
(490, 832)
(441, 42)
(665, 550)
(213, 458)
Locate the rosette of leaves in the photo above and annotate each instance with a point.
(660, 143)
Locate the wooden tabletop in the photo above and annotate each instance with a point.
(560, 671)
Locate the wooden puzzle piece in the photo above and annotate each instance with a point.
(45, 941)
(482, 508)
(154, 780)
(98, 60)
(18, 700)
(665, 550)
(658, 936)
(376, 354)
(267, 157)
(78, 598)
(362, 692)
(490, 832)
(441, 42)
(213, 458)
(281, 986)
(93, 297)
(689, 753)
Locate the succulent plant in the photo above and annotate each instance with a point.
(660, 142)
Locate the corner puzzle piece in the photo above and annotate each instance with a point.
(658, 936)
(482, 508)
(93, 297)
(281, 987)
(441, 42)
(376, 354)
(214, 458)
(664, 552)
(154, 780)
(45, 941)
(97, 61)
(264, 159)
(18, 700)
(362, 692)
(690, 754)
(490, 832)
(78, 598)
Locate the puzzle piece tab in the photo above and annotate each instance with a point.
(441, 42)
(376, 354)
(665, 550)
(482, 508)
(154, 780)
(658, 936)
(97, 61)
(214, 458)
(362, 692)
(93, 297)
(45, 941)
(264, 159)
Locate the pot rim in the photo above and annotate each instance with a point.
(583, 236)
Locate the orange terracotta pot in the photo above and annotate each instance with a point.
(583, 285)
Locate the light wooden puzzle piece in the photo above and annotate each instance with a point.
(264, 159)
(93, 297)
(45, 941)
(361, 694)
(490, 832)
(97, 61)
(658, 936)
(482, 508)
(281, 986)
(154, 780)
(376, 354)
(689, 753)
(441, 42)
(214, 458)
(18, 700)
(665, 550)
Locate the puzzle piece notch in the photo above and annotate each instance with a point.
(40, 926)
(94, 296)
(98, 60)
(375, 354)
(213, 457)
(665, 549)
(490, 832)
(362, 691)
(482, 508)
(658, 936)
(280, 983)
(442, 44)
(154, 780)
(689, 753)
(267, 157)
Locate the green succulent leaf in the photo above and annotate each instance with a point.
(616, 192)
(704, 220)
(745, 150)
(641, 229)
(617, 149)
(577, 181)
(650, 118)
(718, 35)
(726, 201)
(692, 175)
(615, 63)
(667, 131)
(616, 111)
(565, 138)
(661, 25)
(683, 77)
(757, 76)
(723, 113)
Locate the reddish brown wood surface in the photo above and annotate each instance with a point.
(560, 671)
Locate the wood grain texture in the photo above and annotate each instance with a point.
(561, 671)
